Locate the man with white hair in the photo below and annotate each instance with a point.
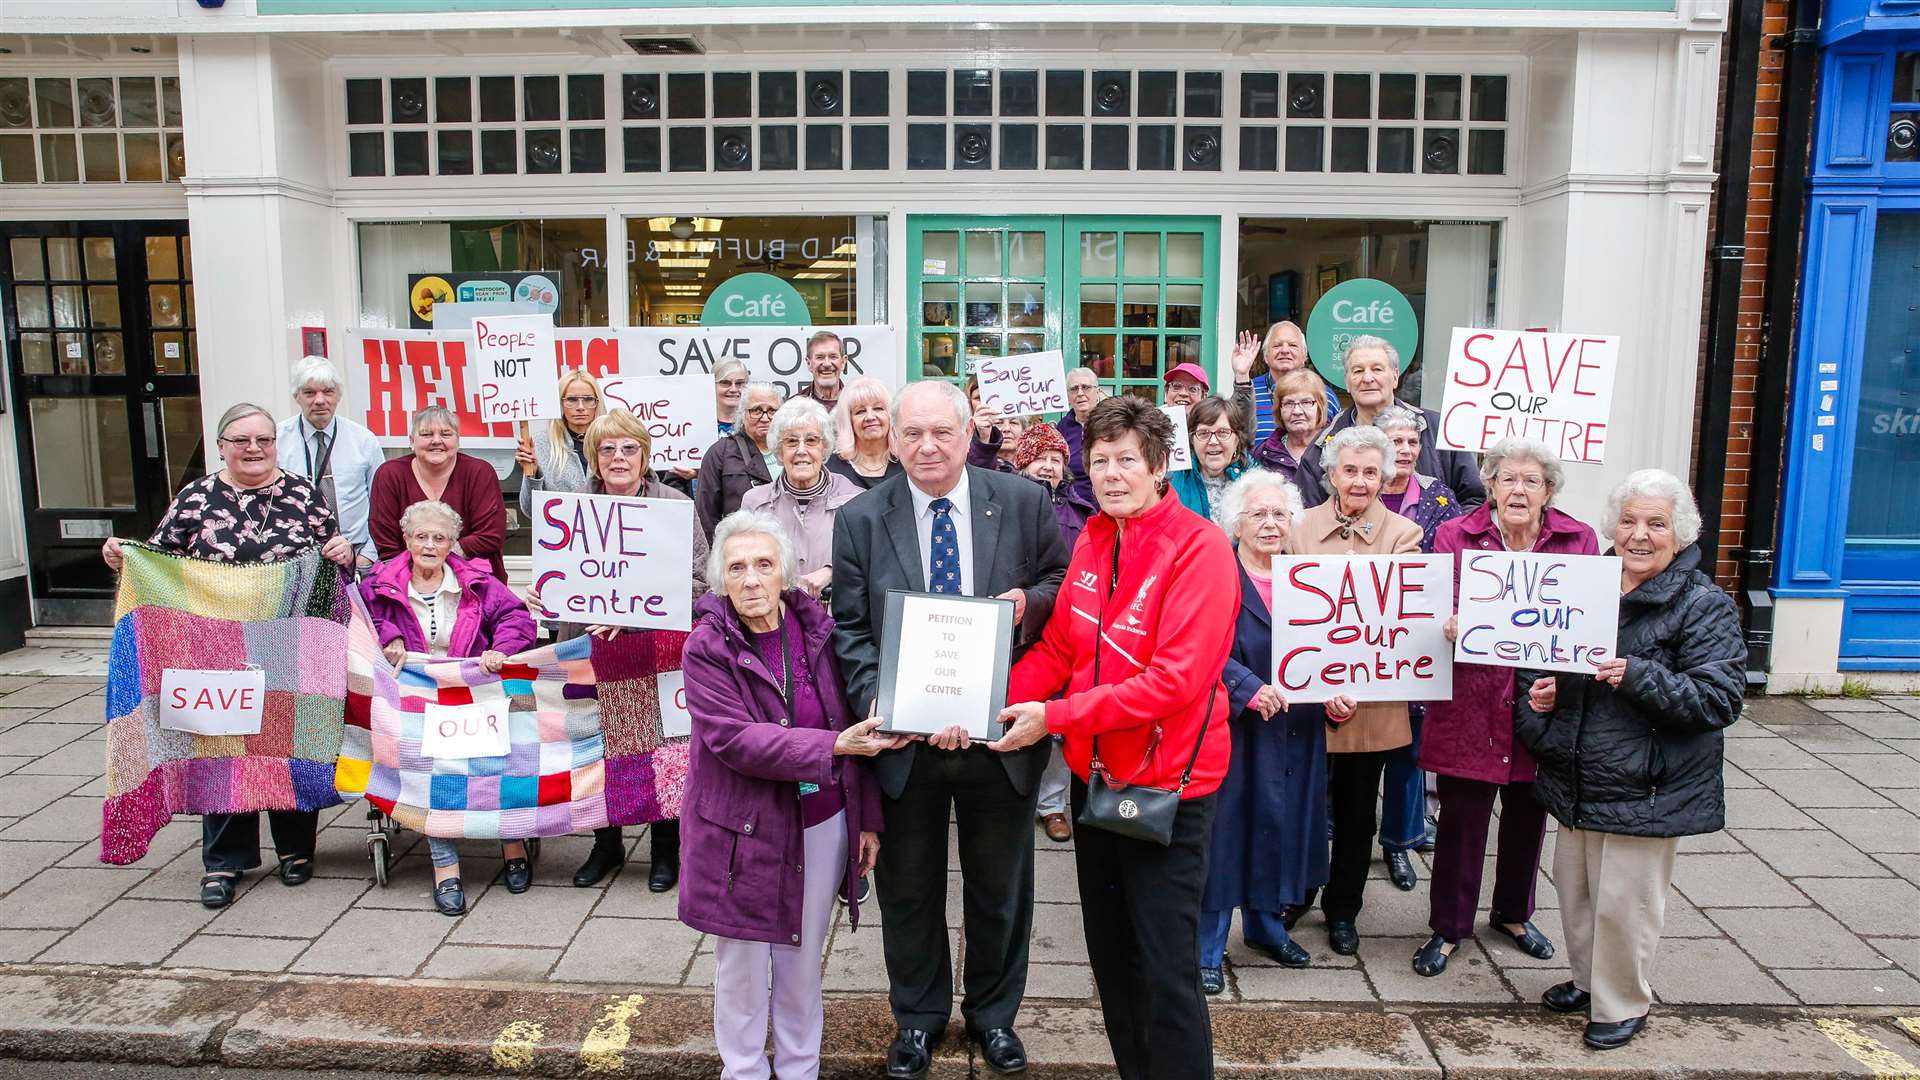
(1373, 381)
(336, 453)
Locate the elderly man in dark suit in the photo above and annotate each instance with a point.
(946, 527)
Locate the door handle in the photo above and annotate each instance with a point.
(152, 425)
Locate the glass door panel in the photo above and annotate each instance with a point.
(1142, 295)
(1883, 519)
(981, 287)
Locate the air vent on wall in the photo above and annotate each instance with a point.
(666, 46)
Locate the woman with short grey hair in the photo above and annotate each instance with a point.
(438, 470)
(743, 459)
(806, 495)
(1631, 757)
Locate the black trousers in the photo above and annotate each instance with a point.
(230, 842)
(664, 842)
(1140, 904)
(996, 874)
(1353, 786)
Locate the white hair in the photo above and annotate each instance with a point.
(1368, 341)
(434, 414)
(1395, 417)
(753, 388)
(728, 368)
(315, 371)
(1360, 437)
(747, 523)
(426, 508)
(1514, 447)
(1234, 500)
(1087, 371)
(956, 397)
(1658, 484)
(800, 412)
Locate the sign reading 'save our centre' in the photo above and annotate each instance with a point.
(678, 411)
(1528, 610)
(1369, 627)
(511, 368)
(614, 560)
(1553, 388)
(1027, 384)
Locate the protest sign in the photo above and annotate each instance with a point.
(1554, 388)
(1181, 455)
(675, 721)
(391, 374)
(1024, 385)
(474, 730)
(510, 368)
(1552, 612)
(614, 559)
(943, 663)
(212, 702)
(1371, 627)
(678, 411)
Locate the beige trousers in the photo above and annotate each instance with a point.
(1613, 904)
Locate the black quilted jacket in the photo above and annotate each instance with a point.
(1646, 759)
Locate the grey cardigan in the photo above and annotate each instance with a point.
(560, 470)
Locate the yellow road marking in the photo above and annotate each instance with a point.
(1867, 1050)
(513, 1047)
(601, 1050)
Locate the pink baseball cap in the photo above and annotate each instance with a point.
(1191, 371)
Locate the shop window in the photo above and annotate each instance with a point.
(1366, 140)
(531, 124)
(1903, 124)
(486, 258)
(1882, 513)
(747, 141)
(675, 262)
(95, 130)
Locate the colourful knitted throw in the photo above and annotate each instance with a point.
(584, 723)
(288, 618)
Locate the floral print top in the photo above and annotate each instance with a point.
(212, 519)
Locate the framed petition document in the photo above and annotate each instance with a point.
(943, 663)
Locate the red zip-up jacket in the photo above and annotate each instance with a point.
(1163, 625)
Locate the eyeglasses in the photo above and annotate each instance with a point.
(1290, 405)
(1529, 482)
(1263, 516)
(243, 442)
(1206, 436)
(732, 384)
(431, 539)
(793, 441)
(763, 410)
(625, 449)
(580, 402)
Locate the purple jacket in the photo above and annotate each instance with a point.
(1471, 735)
(741, 844)
(489, 616)
(1072, 430)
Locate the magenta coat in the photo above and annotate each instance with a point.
(1471, 735)
(489, 615)
(742, 852)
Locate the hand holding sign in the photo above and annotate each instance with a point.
(515, 368)
(1025, 385)
(1555, 388)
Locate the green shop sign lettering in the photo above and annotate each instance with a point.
(755, 300)
(1360, 306)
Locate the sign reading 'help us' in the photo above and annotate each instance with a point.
(212, 702)
(516, 368)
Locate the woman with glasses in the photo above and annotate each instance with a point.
(863, 433)
(555, 459)
(431, 603)
(1468, 742)
(1218, 436)
(742, 460)
(807, 494)
(1300, 401)
(618, 448)
(437, 470)
(248, 511)
(729, 386)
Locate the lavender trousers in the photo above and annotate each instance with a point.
(753, 978)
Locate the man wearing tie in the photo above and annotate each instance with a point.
(338, 455)
(947, 528)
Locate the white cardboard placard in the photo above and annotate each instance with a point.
(1370, 627)
(212, 702)
(615, 560)
(1025, 385)
(1527, 610)
(514, 368)
(678, 410)
(1553, 388)
(675, 721)
(1182, 455)
(475, 730)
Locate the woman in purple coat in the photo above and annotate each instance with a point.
(430, 602)
(1468, 741)
(774, 823)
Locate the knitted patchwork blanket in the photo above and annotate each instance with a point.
(587, 747)
(288, 619)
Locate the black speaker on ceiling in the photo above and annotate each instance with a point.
(409, 101)
(642, 97)
(972, 147)
(1203, 149)
(823, 95)
(543, 151)
(1304, 93)
(733, 153)
(1440, 151)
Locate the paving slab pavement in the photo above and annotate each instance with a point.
(1806, 906)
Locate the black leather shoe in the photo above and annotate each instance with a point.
(1002, 1051)
(518, 875)
(1212, 981)
(1614, 1036)
(1400, 870)
(1566, 998)
(1343, 937)
(663, 876)
(450, 898)
(216, 889)
(296, 870)
(911, 1053)
(1432, 957)
(1288, 953)
(1530, 940)
(604, 859)
(1290, 915)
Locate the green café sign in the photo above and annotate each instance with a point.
(1354, 308)
(755, 299)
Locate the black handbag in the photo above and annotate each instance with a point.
(1136, 811)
